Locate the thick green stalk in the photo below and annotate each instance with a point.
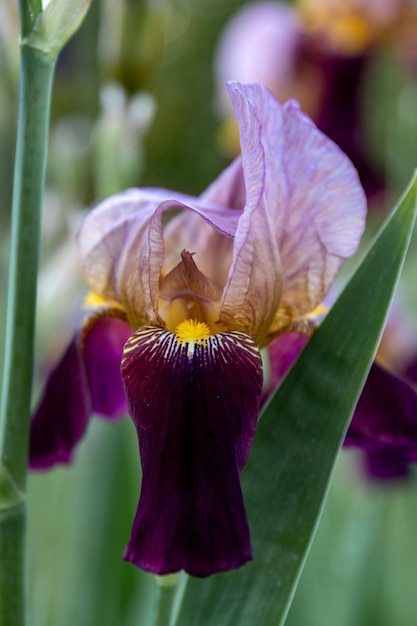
(36, 73)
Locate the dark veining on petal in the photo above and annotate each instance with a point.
(195, 415)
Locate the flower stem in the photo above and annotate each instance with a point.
(36, 73)
(171, 590)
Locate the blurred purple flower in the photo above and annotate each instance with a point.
(384, 424)
(318, 52)
(269, 235)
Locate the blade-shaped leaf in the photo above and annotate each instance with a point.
(297, 441)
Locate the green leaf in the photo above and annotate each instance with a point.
(55, 26)
(298, 439)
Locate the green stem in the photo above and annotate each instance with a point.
(171, 590)
(167, 587)
(36, 73)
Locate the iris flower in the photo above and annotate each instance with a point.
(320, 52)
(185, 304)
(384, 424)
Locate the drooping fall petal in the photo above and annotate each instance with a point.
(195, 409)
(282, 353)
(86, 379)
(63, 413)
(384, 424)
(103, 348)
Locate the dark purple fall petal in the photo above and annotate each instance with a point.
(103, 350)
(86, 379)
(384, 424)
(195, 413)
(282, 352)
(384, 464)
(340, 113)
(63, 413)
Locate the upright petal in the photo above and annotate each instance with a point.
(322, 221)
(228, 188)
(190, 231)
(254, 285)
(310, 192)
(110, 243)
(122, 250)
(216, 216)
(195, 409)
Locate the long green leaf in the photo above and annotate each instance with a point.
(298, 439)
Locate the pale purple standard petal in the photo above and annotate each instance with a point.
(304, 200)
(252, 293)
(189, 231)
(229, 187)
(121, 245)
(195, 414)
(110, 243)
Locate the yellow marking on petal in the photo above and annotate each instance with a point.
(93, 300)
(321, 309)
(192, 332)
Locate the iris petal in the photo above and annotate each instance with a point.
(63, 413)
(283, 155)
(103, 348)
(384, 424)
(195, 411)
(86, 379)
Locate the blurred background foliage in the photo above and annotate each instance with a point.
(134, 104)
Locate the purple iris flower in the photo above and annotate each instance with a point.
(384, 424)
(317, 51)
(184, 305)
